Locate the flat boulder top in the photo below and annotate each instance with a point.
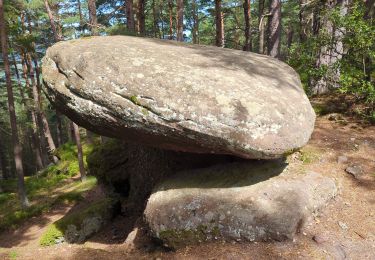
(180, 96)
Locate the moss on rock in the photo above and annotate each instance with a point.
(77, 226)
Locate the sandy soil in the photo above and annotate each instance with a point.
(344, 230)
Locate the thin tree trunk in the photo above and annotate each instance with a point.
(247, 16)
(130, 25)
(274, 29)
(35, 129)
(93, 22)
(59, 132)
(290, 35)
(261, 26)
(195, 22)
(330, 55)
(17, 149)
(3, 159)
(180, 20)
(155, 20)
(170, 8)
(89, 137)
(219, 21)
(141, 18)
(39, 110)
(80, 12)
(80, 152)
(70, 127)
(56, 34)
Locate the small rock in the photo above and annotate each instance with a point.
(320, 239)
(352, 139)
(354, 170)
(342, 159)
(343, 225)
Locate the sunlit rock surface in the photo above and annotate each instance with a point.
(180, 96)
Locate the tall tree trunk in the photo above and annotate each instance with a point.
(130, 25)
(261, 26)
(80, 152)
(39, 109)
(93, 22)
(290, 34)
(274, 29)
(155, 20)
(170, 8)
(89, 137)
(219, 21)
(70, 128)
(195, 22)
(80, 13)
(35, 128)
(247, 16)
(331, 54)
(141, 18)
(3, 159)
(56, 34)
(180, 20)
(59, 131)
(17, 149)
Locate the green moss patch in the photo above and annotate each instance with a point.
(102, 210)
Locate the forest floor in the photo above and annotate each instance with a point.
(345, 229)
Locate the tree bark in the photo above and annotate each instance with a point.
(35, 128)
(261, 26)
(180, 20)
(170, 8)
(130, 25)
(89, 137)
(141, 18)
(274, 29)
(70, 127)
(17, 149)
(331, 54)
(39, 109)
(155, 20)
(80, 152)
(80, 13)
(59, 131)
(3, 159)
(93, 22)
(56, 34)
(195, 22)
(247, 16)
(219, 21)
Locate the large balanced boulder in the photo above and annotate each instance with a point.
(180, 96)
(241, 201)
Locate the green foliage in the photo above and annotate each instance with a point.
(40, 187)
(357, 64)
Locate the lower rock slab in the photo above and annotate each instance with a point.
(242, 201)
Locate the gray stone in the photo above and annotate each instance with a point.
(355, 171)
(179, 96)
(248, 201)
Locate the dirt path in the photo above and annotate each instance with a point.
(344, 230)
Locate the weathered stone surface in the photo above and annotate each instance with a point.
(178, 96)
(238, 201)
